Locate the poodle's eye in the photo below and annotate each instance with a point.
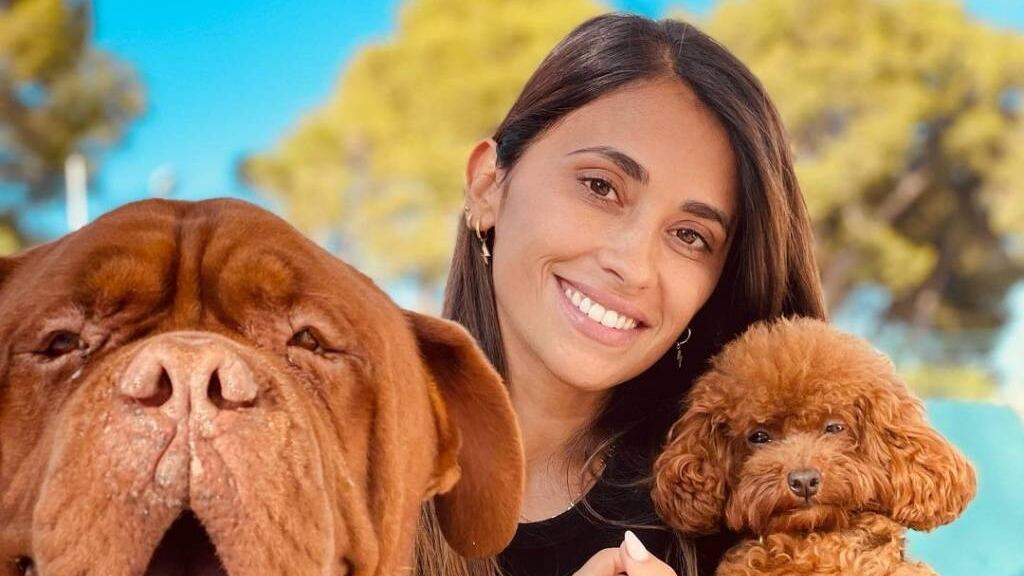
(834, 427)
(759, 437)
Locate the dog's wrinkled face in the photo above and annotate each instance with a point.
(197, 389)
(798, 427)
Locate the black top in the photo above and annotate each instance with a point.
(561, 545)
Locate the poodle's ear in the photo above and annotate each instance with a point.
(480, 469)
(928, 482)
(690, 475)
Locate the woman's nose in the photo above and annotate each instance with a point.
(629, 254)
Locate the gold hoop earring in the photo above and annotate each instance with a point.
(474, 224)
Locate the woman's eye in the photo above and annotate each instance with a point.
(834, 428)
(61, 343)
(601, 187)
(305, 339)
(759, 437)
(691, 238)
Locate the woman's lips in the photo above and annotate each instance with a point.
(590, 328)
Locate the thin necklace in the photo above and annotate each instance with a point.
(574, 500)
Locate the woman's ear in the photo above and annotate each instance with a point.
(690, 475)
(483, 196)
(480, 465)
(929, 482)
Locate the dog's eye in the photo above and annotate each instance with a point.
(759, 437)
(834, 427)
(62, 342)
(306, 339)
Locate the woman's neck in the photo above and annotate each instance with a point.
(551, 414)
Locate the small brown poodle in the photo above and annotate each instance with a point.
(801, 438)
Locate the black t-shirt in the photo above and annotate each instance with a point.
(561, 545)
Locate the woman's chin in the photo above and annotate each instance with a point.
(587, 371)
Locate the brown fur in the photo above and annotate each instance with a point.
(321, 469)
(884, 471)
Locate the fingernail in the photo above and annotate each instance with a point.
(635, 548)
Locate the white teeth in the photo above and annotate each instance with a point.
(610, 318)
(585, 305)
(598, 313)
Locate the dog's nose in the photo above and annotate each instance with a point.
(183, 372)
(805, 483)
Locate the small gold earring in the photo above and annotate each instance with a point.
(484, 252)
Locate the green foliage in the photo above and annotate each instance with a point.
(383, 159)
(906, 118)
(961, 382)
(8, 241)
(58, 95)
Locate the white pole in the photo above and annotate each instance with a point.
(162, 181)
(76, 175)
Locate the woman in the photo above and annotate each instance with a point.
(636, 209)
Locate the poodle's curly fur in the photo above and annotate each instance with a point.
(803, 438)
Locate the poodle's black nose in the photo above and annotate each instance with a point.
(805, 483)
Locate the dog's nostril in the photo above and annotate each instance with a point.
(160, 396)
(24, 566)
(215, 393)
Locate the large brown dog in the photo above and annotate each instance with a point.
(185, 385)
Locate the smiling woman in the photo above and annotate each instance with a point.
(635, 210)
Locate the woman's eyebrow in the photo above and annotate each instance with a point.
(631, 167)
(706, 211)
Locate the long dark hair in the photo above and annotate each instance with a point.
(770, 270)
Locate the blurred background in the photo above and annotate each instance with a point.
(353, 121)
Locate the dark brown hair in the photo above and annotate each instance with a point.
(770, 270)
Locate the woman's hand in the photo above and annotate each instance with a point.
(631, 558)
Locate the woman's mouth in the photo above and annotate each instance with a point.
(596, 320)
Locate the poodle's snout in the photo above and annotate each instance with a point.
(805, 483)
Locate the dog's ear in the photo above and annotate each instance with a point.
(690, 475)
(6, 268)
(927, 482)
(480, 472)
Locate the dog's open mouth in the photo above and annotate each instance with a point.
(185, 550)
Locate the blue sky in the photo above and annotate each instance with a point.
(225, 78)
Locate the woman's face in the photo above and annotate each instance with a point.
(610, 233)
